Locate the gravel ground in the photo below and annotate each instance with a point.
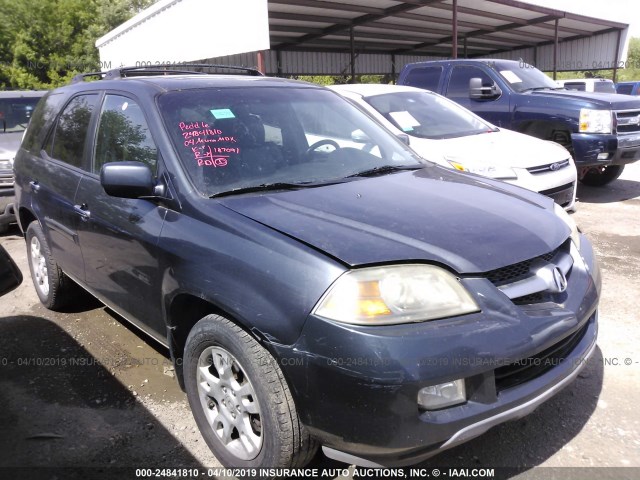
(85, 389)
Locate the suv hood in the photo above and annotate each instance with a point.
(467, 222)
(607, 100)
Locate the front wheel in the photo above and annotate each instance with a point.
(240, 399)
(600, 176)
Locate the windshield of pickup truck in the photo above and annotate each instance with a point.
(427, 115)
(524, 77)
(15, 111)
(259, 138)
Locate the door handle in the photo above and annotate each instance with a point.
(83, 211)
(35, 186)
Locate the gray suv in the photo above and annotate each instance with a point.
(15, 112)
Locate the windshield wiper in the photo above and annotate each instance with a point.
(385, 169)
(263, 187)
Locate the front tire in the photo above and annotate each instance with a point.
(55, 290)
(240, 399)
(600, 176)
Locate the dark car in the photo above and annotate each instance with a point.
(628, 88)
(10, 275)
(16, 108)
(317, 283)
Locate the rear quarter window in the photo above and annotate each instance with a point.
(424, 77)
(41, 122)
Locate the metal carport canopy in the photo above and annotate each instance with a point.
(387, 33)
(347, 37)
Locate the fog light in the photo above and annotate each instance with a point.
(442, 395)
(603, 156)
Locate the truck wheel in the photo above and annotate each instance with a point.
(240, 399)
(53, 287)
(600, 176)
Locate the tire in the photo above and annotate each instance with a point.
(248, 400)
(53, 287)
(600, 176)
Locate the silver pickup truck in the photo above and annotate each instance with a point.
(15, 112)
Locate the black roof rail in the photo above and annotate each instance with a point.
(81, 76)
(173, 69)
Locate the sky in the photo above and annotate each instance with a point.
(625, 11)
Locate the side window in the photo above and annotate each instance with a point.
(41, 121)
(123, 134)
(459, 81)
(71, 130)
(424, 77)
(625, 89)
(575, 86)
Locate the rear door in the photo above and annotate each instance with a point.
(54, 180)
(119, 236)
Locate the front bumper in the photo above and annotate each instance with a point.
(559, 185)
(356, 387)
(7, 214)
(620, 149)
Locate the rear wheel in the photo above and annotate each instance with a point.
(600, 176)
(53, 287)
(240, 399)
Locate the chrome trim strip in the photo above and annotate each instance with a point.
(348, 458)
(541, 278)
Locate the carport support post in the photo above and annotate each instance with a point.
(555, 51)
(615, 60)
(261, 67)
(454, 28)
(279, 62)
(353, 55)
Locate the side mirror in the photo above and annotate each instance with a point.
(127, 180)
(478, 91)
(404, 138)
(10, 276)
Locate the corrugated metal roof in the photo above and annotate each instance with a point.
(423, 27)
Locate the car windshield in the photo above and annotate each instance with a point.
(427, 115)
(242, 139)
(15, 113)
(523, 77)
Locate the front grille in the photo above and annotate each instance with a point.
(628, 121)
(517, 271)
(527, 369)
(562, 195)
(551, 167)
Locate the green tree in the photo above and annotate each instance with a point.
(43, 43)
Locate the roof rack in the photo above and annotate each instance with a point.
(81, 76)
(163, 69)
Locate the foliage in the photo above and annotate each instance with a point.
(44, 43)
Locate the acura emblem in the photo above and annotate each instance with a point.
(559, 280)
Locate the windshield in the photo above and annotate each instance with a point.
(232, 139)
(522, 76)
(15, 113)
(427, 115)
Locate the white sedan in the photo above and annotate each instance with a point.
(446, 133)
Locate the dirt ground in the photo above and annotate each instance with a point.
(85, 389)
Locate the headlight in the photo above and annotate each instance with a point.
(566, 218)
(491, 171)
(595, 121)
(395, 294)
